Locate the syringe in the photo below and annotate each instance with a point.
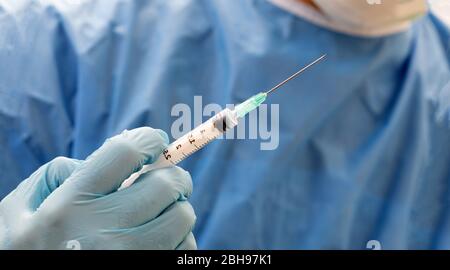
(210, 130)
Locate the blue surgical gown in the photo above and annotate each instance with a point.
(364, 143)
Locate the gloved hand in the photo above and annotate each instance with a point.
(75, 204)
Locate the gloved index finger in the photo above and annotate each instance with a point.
(119, 157)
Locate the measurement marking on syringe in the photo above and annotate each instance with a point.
(186, 155)
(206, 142)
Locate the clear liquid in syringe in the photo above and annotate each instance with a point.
(198, 137)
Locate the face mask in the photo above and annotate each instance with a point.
(372, 17)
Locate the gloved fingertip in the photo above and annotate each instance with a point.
(163, 135)
(60, 168)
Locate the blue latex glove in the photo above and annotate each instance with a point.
(75, 204)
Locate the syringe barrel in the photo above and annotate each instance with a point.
(190, 143)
